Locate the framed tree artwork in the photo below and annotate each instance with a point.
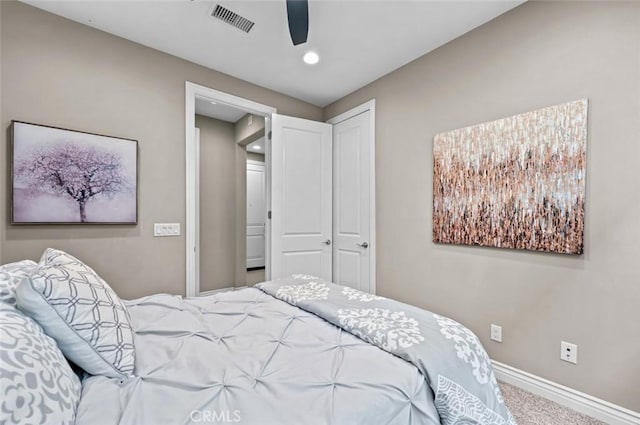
(61, 176)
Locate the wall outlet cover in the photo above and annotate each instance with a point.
(496, 333)
(569, 352)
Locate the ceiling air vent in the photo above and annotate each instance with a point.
(232, 18)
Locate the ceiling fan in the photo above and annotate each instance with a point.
(298, 16)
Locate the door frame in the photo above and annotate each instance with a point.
(367, 106)
(192, 225)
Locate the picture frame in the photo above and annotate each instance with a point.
(63, 176)
(517, 182)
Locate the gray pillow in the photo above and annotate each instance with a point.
(38, 384)
(81, 312)
(10, 275)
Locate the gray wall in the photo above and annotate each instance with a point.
(58, 72)
(246, 133)
(255, 156)
(539, 54)
(217, 203)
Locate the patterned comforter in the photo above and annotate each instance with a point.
(247, 357)
(449, 356)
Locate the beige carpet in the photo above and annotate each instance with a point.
(529, 409)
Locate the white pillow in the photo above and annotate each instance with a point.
(81, 312)
(38, 385)
(10, 276)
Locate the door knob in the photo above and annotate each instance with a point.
(327, 242)
(363, 245)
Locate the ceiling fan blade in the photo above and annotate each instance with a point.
(298, 14)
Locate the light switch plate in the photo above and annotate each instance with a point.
(166, 229)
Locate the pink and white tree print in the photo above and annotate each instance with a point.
(80, 173)
(65, 176)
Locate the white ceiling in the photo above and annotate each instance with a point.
(358, 41)
(221, 112)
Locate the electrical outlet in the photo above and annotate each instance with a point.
(569, 352)
(496, 333)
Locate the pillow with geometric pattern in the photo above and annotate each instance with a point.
(38, 385)
(10, 276)
(78, 309)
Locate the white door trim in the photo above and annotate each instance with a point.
(367, 106)
(267, 194)
(196, 180)
(192, 226)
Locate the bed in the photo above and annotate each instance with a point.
(292, 351)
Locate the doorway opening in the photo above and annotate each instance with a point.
(320, 199)
(219, 128)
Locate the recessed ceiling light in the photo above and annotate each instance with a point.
(212, 102)
(257, 147)
(311, 58)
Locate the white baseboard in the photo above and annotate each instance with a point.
(576, 400)
(217, 291)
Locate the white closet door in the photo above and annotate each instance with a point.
(255, 214)
(301, 220)
(351, 202)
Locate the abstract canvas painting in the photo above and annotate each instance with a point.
(66, 176)
(517, 182)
